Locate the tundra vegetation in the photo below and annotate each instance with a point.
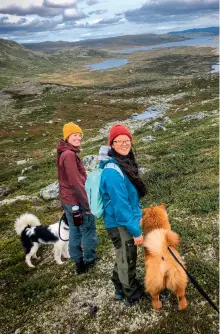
(178, 154)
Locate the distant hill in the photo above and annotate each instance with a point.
(209, 31)
(13, 54)
(17, 62)
(113, 43)
(15, 57)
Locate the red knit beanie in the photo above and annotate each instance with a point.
(118, 130)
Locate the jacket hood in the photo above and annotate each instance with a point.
(103, 157)
(103, 153)
(63, 146)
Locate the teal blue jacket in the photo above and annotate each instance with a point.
(121, 200)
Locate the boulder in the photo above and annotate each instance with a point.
(25, 170)
(158, 126)
(199, 115)
(167, 120)
(50, 192)
(18, 198)
(22, 162)
(148, 138)
(4, 190)
(21, 178)
(142, 170)
(90, 162)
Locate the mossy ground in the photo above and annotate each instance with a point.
(181, 171)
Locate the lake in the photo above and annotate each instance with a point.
(106, 64)
(149, 114)
(215, 68)
(199, 41)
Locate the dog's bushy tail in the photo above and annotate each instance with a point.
(27, 219)
(159, 240)
(172, 239)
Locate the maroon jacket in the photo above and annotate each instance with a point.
(71, 175)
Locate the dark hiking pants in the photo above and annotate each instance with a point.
(124, 272)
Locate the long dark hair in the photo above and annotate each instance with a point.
(129, 166)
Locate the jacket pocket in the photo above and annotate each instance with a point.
(115, 237)
(131, 252)
(88, 222)
(109, 210)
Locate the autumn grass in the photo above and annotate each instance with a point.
(181, 171)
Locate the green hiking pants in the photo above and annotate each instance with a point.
(124, 272)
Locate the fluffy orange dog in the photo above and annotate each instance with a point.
(162, 270)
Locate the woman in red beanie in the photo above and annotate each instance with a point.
(122, 188)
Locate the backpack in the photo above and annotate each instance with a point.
(92, 186)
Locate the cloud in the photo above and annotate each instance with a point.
(98, 12)
(59, 3)
(111, 20)
(23, 25)
(73, 14)
(49, 8)
(46, 19)
(92, 2)
(31, 10)
(170, 10)
(69, 20)
(50, 16)
(99, 23)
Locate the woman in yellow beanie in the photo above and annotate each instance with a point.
(72, 178)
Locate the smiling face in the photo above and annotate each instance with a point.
(122, 144)
(75, 139)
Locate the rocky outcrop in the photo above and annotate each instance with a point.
(90, 162)
(50, 192)
(25, 88)
(23, 162)
(4, 190)
(199, 115)
(148, 138)
(160, 104)
(18, 198)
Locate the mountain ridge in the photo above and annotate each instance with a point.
(210, 30)
(111, 43)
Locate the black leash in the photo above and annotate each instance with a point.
(62, 218)
(195, 283)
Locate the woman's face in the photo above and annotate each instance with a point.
(75, 139)
(122, 144)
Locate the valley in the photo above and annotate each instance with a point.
(177, 151)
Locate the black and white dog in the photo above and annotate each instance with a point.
(33, 234)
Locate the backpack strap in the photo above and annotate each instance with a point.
(114, 166)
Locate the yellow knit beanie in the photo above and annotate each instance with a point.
(70, 128)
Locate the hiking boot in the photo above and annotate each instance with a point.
(80, 267)
(165, 295)
(130, 302)
(119, 295)
(89, 265)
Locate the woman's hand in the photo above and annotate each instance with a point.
(141, 221)
(139, 240)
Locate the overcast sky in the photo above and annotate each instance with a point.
(27, 21)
